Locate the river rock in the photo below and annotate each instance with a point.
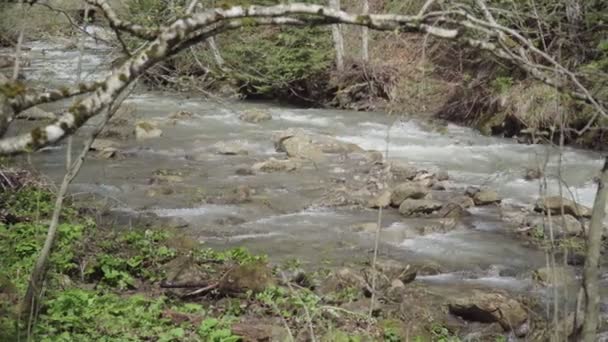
(103, 144)
(565, 226)
(437, 226)
(230, 148)
(558, 276)
(471, 191)
(368, 227)
(36, 113)
(532, 174)
(275, 165)
(485, 197)
(451, 210)
(442, 176)
(405, 191)
(402, 172)
(383, 200)
(255, 116)
(464, 201)
(480, 306)
(147, 130)
(301, 146)
(414, 207)
(181, 115)
(554, 204)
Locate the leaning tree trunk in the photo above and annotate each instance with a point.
(365, 35)
(591, 271)
(338, 39)
(216, 52)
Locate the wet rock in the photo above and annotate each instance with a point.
(438, 226)
(255, 116)
(301, 146)
(244, 171)
(415, 207)
(181, 115)
(438, 187)
(405, 191)
(380, 201)
(368, 227)
(103, 144)
(275, 165)
(485, 307)
(229, 221)
(402, 172)
(442, 176)
(471, 191)
(558, 276)
(554, 204)
(36, 113)
(147, 130)
(452, 210)
(485, 197)
(230, 148)
(238, 195)
(254, 277)
(563, 226)
(532, 174)
(464, 201)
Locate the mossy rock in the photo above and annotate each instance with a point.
(254, 277)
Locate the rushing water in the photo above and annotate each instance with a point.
(479, 253)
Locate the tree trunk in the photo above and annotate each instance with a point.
(365, 35)
(216, 52)
(338, 39)
(594, 242)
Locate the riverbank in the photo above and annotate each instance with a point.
(150, 281)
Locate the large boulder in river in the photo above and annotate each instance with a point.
(416, 207)
(555, 203)
(383, 200)
(147, 130)
(480, 306)
(297, 143)
(407, 190)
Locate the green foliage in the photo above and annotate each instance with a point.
(502, 84)
(239, 255)
(440, 333)
(270, 61)
(84, 315)
(215, 330)
(391, 335)
(136, 254)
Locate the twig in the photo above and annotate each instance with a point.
(39, 271)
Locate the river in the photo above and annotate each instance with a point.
(481, 251)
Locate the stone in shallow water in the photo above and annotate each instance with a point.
(413, 207)
(554, 204)
(147, 130)
(407, 190)
(255, 116)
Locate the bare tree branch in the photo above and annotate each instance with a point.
(455, 23)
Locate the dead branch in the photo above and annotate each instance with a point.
(458, 22)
